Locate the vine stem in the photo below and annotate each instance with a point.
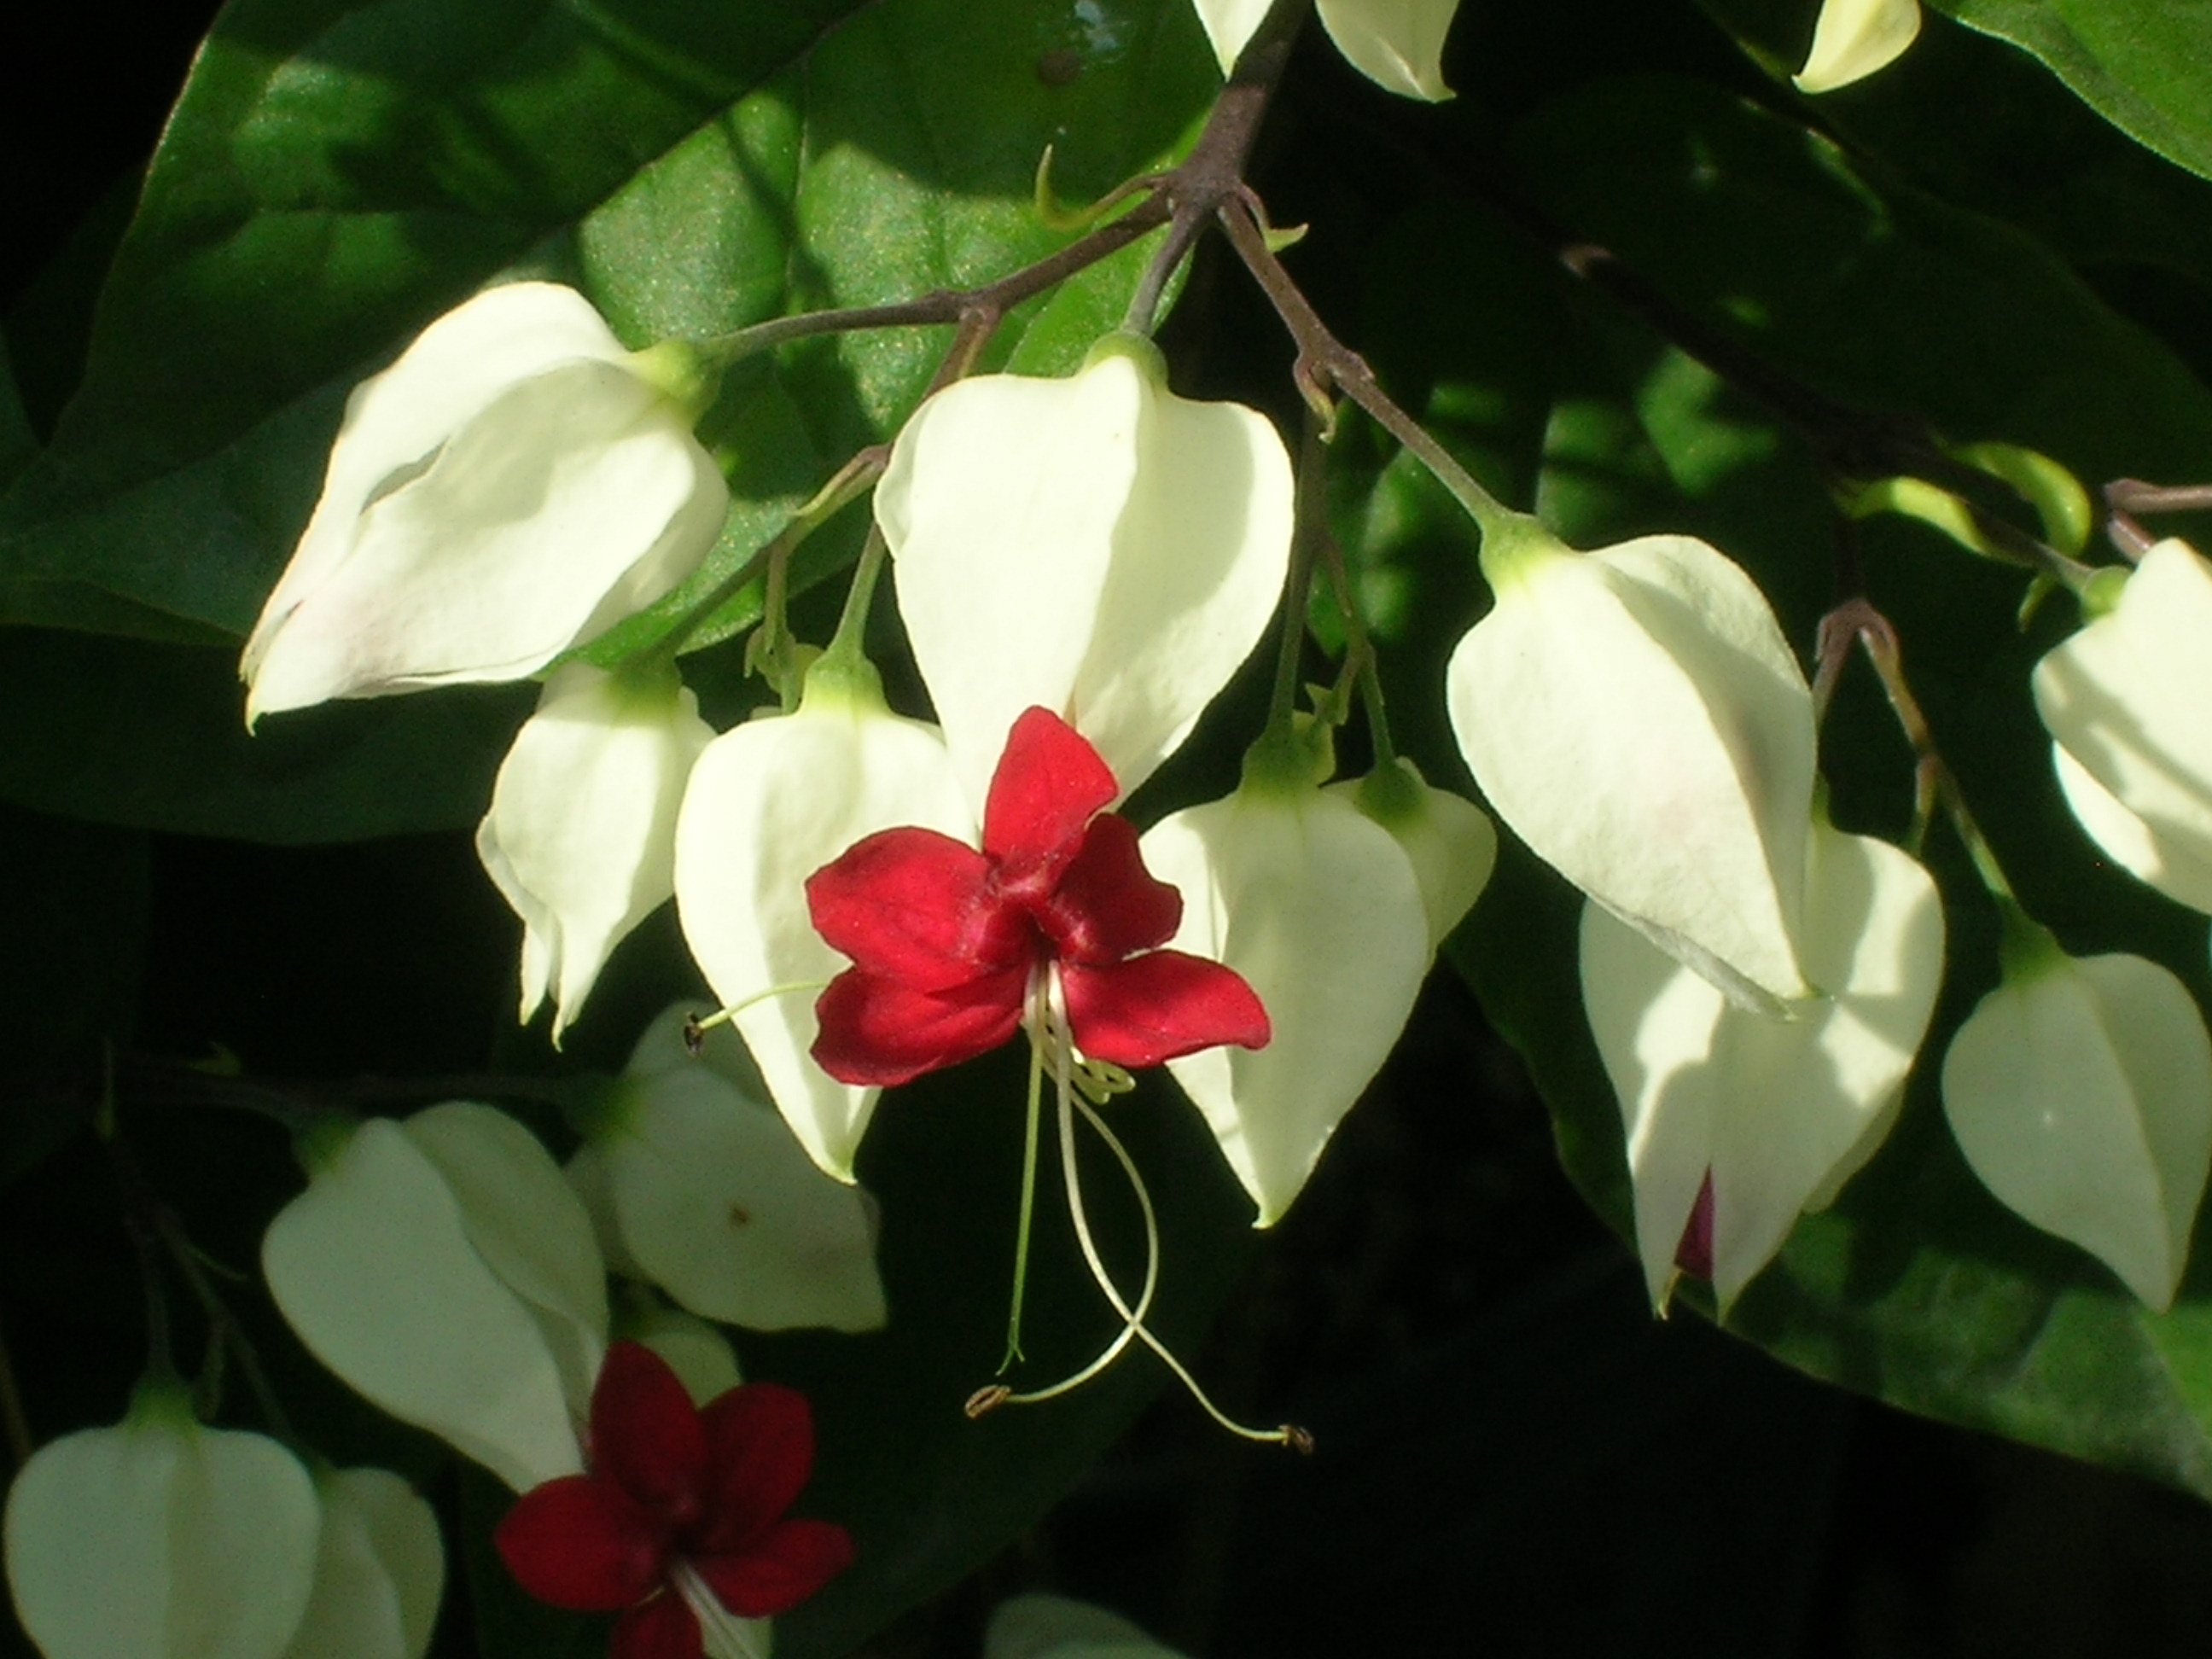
(1856, 622)
(1325, 362)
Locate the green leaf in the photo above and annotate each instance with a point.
(337, 172)
(1916, 1286)
(2142, 65)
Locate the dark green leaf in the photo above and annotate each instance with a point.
(339, 172)
(2144, 65)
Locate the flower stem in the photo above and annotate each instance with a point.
(1934, 782)
(848, 646)
(1325, 363)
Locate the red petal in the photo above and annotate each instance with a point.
(873, 1032)
(1108, 905)
(917, 907)
(580, 1544)
(1049, 782)
(645, 1436)
(760, 1440)
(789, 1563)
(1160, 1006)
(663, 1628)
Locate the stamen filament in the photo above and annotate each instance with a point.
(1055, 1030)
(696, 1027)
(1131, 1321)
(1034, 998)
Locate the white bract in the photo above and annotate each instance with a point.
(2126, 700)
(159, 1539)
(515, 483)
(444, 1268)
(698, 1352)
(1635, 716)
(1855, 38)
(2081, 1091)
(768, 805)
(1096, 546)
(582, 833)
(717, 1203)
(1451, 841)
(1778, 1113)
(1040, 1626)
(380, 1569)
(1318, 907)
(1397, 44)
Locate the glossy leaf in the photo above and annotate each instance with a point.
(337, 175)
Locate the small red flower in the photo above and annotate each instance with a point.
(950, 945)
(680, 1503)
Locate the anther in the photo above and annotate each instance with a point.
(988, 1398)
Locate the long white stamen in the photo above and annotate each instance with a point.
(1132, 1320)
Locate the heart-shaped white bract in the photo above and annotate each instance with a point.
(1777, 1112)
(1636, 717)
(581, 837)
(444, 1268)
(379, 1571)
(1397, 44)
(1095, 546)
(1852, 39)
(2125, 699)
(713, 1200)
(160, 1539)
(514, 484)
(1317, 907)
(770, 803)
(2081, 1091)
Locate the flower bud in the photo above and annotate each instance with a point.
(380, 1569)
(1120, 549)
(160, 1539)
(444, 1268)
(1397, 44)
(1855, 38)
(1449, 839)
(1775, 1112)
(582, 833)
(2081, 1091)
(718, 1204)
(1636, 718)
(1317, 907)
(768, 805)
(514, 484)
(2125, 700)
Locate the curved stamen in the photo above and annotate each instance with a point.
(697, 1026)
(1056, 1032)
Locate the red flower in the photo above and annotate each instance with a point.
(682, 1515)
(951, 946)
